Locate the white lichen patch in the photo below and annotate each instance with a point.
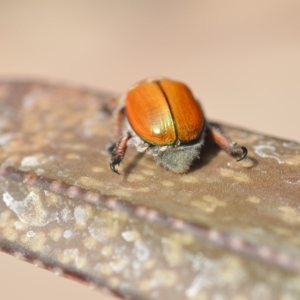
(66, 214)
(135, 177)
(231, 270)
(5, 216)
(290, 214)
(29, 162)
(196, 286)
(39, 171)
(97, 169)
(82, 214)
(148, 172)
(209, 204)
(167, 183)
(172, 252)
(36, 241)
(237, 176)
(291, 145)
(146, 285)
(268, 151)
(203, 206)
(63, 173)
(130, 236)
(214, 201)
(104, 228)
(149, 264)
(10, 234)
(30, 233)
(13, 159)
(292, 160)
(144, 189)
(72, 256)
(165, 277)
(67, 234)
(183, 239)
(140, 250)
(20, 226)
(52, 199)
(123, 193)
(104, 269)
(90, 243)
(55, 233)
(253, 199)
(30, 210)
(5, 138)
(107, 250)
(89, 182)
(72, 156)
(118, 265)
(293, 182)
(189, 179)
(114, 282)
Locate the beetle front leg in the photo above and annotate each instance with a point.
(118, 152)
(118, 122)
(226, 144)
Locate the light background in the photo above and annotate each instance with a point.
(241, 59)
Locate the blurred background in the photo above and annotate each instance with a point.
(240, 58)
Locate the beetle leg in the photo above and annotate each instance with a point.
(119, 118)
(225, 143)
(118, 152)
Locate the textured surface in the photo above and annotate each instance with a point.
(225, 228)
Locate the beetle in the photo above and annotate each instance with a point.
(162, 117)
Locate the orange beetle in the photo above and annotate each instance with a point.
(162, 117)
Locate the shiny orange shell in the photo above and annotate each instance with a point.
(164, 111)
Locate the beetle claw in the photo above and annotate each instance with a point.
(113, 167)
(238, 151)
(115, 161)
(244, 154)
